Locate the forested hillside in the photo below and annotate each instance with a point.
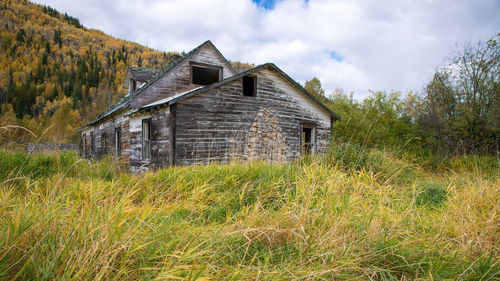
(56, 74)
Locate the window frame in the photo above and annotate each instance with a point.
(118, 137)
(204, 65)
(84, 145)
(254, 92)
(146, 143)
(103, 142)
(312, 145)
(92, 143)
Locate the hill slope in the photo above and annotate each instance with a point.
(55, 72)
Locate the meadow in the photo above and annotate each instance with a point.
(352, 214)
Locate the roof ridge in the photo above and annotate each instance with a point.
(241, 74)
(143, 68)
(124, 100)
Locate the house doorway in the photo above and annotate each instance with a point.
(308, 137)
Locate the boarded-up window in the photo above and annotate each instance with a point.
(118, 136)
(205, 75)
(249, 86)
(308, 138)
(146, 138)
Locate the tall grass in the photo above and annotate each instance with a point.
(316, 218)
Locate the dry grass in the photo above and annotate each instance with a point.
(308, 220)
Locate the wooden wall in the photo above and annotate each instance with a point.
(108, 127)
(217, 125)
(178, 80)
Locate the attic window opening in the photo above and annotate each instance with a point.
(250, 86)
(205, 75)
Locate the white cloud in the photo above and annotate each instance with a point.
(390, 45)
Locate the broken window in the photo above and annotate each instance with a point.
(146, 138)
(118, 149)
(308, 137)
(205, 75)
(249, 86)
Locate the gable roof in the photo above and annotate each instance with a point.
(124, 101)
(200, 90)
(141, 74)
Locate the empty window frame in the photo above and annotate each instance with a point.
(118, 136)
(146, 138)
(84, 145)
(205, 74)
(92, 148)
(250, 86)
(308, 137)
(103, 143)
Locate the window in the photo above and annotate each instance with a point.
(307, 139)
(92, 143)
(84, 145)
(249, 86)
(205, 75)
(103, 143)
(132, 86)
(146, 138)
(118, 149)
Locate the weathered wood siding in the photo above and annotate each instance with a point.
(161, 140)
(108, 128)
(222, 124)
(178, 80)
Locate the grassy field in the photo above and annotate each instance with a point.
(353, 214)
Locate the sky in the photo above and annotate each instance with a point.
(354, 45)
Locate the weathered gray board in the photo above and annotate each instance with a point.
(178, 80)
(217, 125)
(33, 148)
(222, 124)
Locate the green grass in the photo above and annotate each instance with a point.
(384, 217)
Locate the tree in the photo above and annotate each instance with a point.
(313, 86)
(462, 101)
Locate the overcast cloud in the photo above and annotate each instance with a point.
(356, 45)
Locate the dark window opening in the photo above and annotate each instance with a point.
(92, 148)
(84, 145)
(118, 149)
(134, 85)
(331, 126)
(307, 139)
(205, 75)
(249, 86)
(146, 138)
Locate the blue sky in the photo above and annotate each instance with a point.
(266, 4)
(355, 45)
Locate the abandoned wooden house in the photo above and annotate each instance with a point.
(199, 110)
